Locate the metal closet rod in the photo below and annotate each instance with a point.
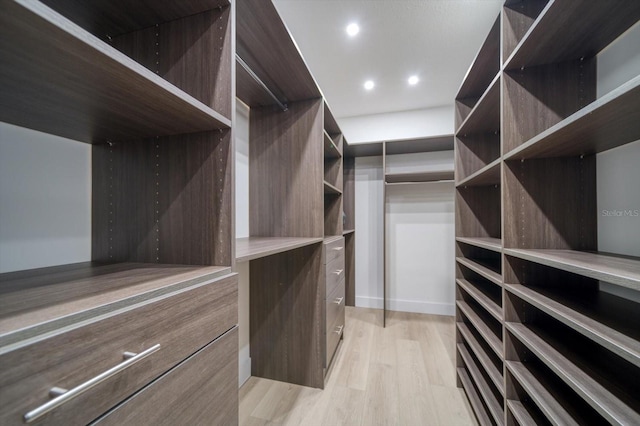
(253, 75)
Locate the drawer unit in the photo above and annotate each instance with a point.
(162, 332)
(207, 380)
(333, 248)
(334, 304)
(334, 334)
(334, 273)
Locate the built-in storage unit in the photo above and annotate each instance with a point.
(539, 338)
(296, 175)
(118, 337)
(420, 175)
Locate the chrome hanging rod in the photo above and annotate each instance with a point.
(253, 75)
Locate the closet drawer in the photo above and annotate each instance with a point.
(180, 322)
(334, 333)
(333, 249)
(201, 390)
(335, 303)
(334, 274)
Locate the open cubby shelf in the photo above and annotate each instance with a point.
(580, 379)
(571, 29)
(474, 398)
(331, 189)
(527, 136)
(74, 85)
(419, 177)
(330, 148)
(481, 327)
(493, 371)
(486, 392)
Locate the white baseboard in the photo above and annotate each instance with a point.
(435, 308)
(244, 366)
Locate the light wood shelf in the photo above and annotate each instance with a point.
(257, 247)
(484, 271)
(587, 323)
(600, 398)
(546, 402)
(494, 374)
(483, 300)
(620, 270)
(567, 30)
(38, 301)
(494, 406)
(494, 244)
(103, 96)
(487, 334)
(474, 398)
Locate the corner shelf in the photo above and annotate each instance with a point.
(584, 29)
(604, 124)
(105, 95)
(620, 270)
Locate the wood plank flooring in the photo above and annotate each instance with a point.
(403, 374)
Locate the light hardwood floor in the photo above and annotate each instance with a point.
(403, 374)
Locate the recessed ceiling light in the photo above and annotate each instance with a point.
(413, 80)
(353, 29)
(369, 84)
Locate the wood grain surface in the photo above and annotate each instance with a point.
(478, 212)
(350, 268)
(203, 389)
(181, 323)
(287, 315)
(256, 247)
(286, 171)
(72, 84)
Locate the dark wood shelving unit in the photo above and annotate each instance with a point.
(104, 96)
(533, 122)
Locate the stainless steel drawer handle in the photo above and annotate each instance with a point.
(338, 271)
(338, 248)
(338, 300)
(339, 329)
(60, 396)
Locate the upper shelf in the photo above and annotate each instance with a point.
(413, 146)
(57, 78)
(105, 18)
(257, 247)
(330, 123)
(606, 123)
(38, 301)
(419, 177)
(485, 66)
(330, 148)
(585, 28)
(265, 45)
(615, 269)
(488, 175)
(485, 116)
(330, 189)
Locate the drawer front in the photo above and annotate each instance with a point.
(333, 250)
(203, 390)
(181, 322)
(335, 303)
(334, 334)
(334, 274)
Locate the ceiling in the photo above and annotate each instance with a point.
(434, 39)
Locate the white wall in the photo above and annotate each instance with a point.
(618, 174)
(398, 125)
(45, 200)
(420, 236)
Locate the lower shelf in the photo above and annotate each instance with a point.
(492, 403)
(474, 398)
